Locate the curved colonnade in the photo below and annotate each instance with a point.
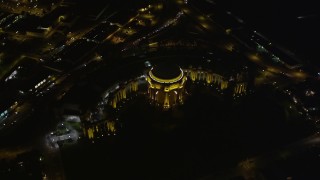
(103, 120)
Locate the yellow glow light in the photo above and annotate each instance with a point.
(254, 57)
(173, 80)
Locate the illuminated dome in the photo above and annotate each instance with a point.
(166, 85)
(166, 73)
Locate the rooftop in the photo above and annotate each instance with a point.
(166, 71)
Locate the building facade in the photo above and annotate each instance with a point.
(166, 85)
